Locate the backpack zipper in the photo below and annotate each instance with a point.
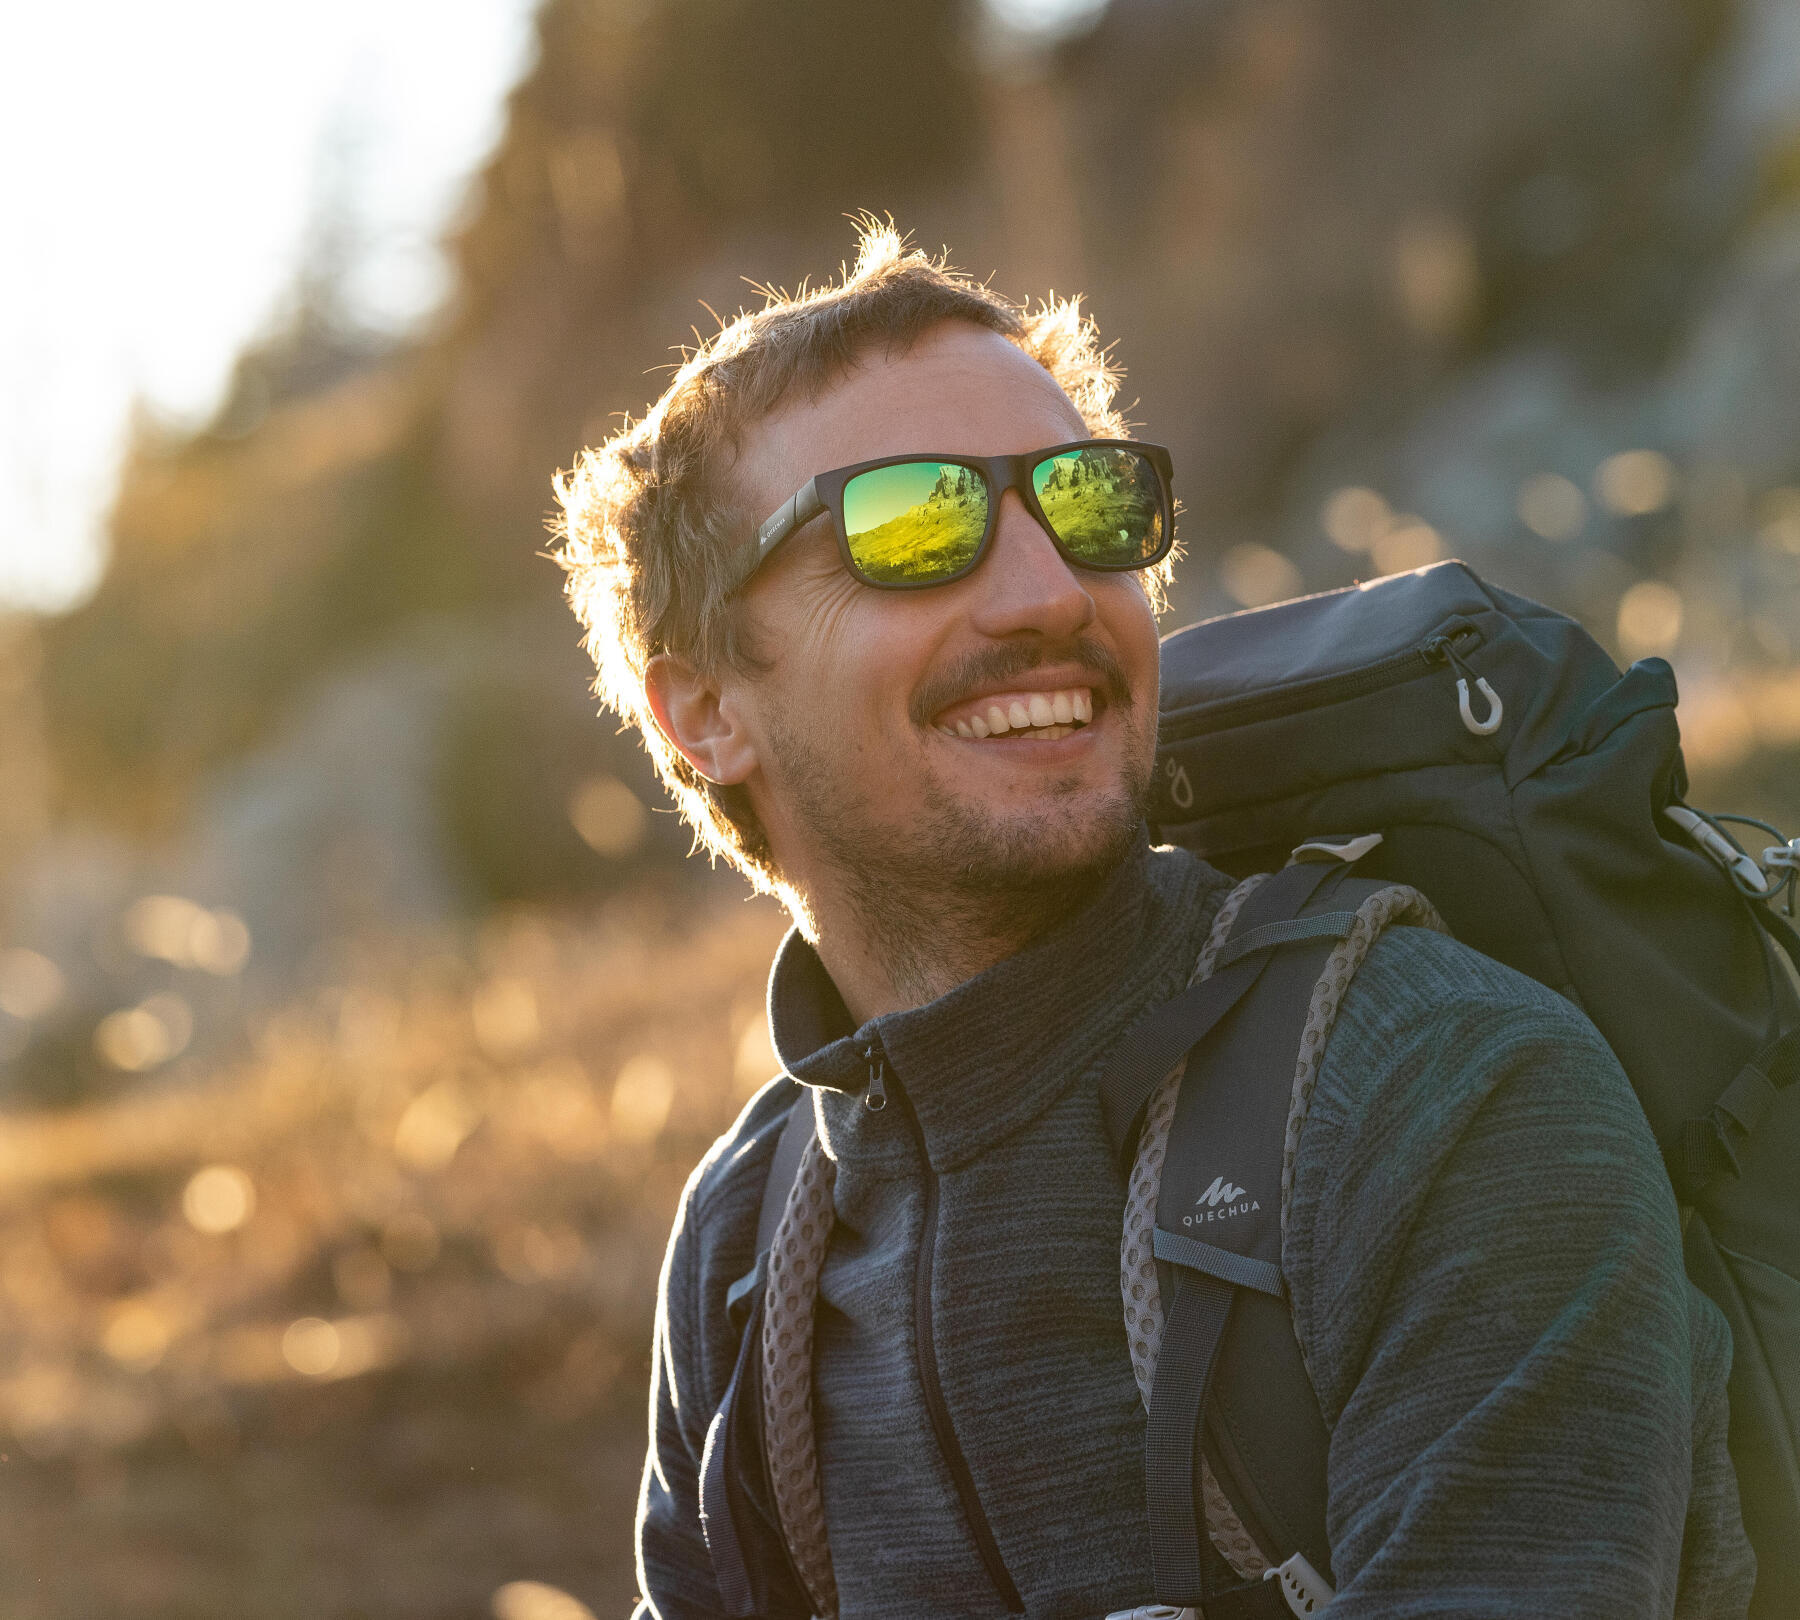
(1432, 653)
(885, 1089)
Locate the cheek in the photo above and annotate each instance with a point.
(1126, 612)
(838, 648)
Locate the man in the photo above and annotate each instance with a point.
(944, 782)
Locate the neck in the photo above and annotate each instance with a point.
(889, 948)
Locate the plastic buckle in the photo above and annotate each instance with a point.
(1783, 857)
(1341, 847)
(1154, 1611)
(1739, 867)
(1307, 1591)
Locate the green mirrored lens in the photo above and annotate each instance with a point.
(1104, 503)
(916, 521)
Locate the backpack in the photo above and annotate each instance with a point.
(1425, 732)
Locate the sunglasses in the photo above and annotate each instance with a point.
(905, 522)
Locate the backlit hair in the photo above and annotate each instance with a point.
(652, 536)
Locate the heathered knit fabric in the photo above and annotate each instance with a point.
(1526, 1395)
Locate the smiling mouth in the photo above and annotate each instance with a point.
(1023, 714)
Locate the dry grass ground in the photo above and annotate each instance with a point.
(358, 1325)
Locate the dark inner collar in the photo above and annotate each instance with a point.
(994, 1051)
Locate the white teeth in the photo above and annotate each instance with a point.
(1053, 713)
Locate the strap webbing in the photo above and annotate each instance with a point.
(1327, 925)
(796, 1132)
(1709, 1145)
(1157, 1043)
(721, 1504)
(1190, 1345)
(1241, 1269)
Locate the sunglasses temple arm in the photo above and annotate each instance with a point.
(797, 511)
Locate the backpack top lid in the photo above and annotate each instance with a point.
(1391, 651)
(1327, 634)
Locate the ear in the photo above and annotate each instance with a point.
(692, 713)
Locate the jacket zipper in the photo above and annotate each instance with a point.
(885, 1087)
(1429, 654)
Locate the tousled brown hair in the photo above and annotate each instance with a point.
(651, 534)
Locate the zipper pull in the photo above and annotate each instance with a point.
(1442, 650)
(875, 1098)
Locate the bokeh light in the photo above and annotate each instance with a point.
(433, 1127)
(312, 1346)
(1778, 520)
(1410, 543)
(611, 818)
(534, 1600)
(145, 1036)
(218, 1199)
(31, 984)
(1355, 518)
(1635, 483)
(1650, 618)
(1254, 575)
(642, 1096)
(1552, 506)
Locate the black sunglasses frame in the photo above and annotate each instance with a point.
(825, 494)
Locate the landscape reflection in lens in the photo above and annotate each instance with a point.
(916, 520)
(1104, 503)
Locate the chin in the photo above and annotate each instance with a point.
(1055, 845)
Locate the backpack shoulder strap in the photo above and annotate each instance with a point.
(1235, 1435)
(744, 1537)
(784, 1166)
(796, 1132)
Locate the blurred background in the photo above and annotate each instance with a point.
(360, 1012)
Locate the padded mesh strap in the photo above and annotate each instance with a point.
(796, 1257)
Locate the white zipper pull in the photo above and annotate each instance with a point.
(1444, 647)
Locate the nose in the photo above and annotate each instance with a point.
(1023, 585)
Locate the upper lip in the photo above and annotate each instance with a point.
(1045, 678)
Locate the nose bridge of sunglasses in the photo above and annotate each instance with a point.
(1021, 521)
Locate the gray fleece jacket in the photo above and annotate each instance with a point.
(1526, 1397)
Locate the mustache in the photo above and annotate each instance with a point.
(1001, 663)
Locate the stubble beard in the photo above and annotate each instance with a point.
(960, 887)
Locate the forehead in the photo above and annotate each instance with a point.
(959, 388)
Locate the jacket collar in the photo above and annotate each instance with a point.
(986, 1058)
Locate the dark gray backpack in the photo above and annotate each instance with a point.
(1535, 794)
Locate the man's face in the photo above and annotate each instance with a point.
(867, 754)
